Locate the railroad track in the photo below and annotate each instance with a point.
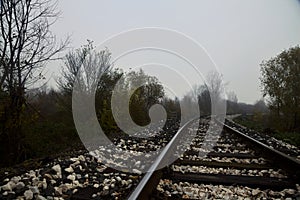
(238, 166)
(79, 175)
(209, 166)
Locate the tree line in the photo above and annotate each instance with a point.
(280, 85)
(38, 122)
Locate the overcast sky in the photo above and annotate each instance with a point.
(238, 35)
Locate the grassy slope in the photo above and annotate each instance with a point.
(259, 124)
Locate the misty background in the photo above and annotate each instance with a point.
(237, 35)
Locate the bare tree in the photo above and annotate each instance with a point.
(86, 65)
(232, 102)
(216, 90)
(199, 96)
(26, 44)
(231, 96)
(204, 100)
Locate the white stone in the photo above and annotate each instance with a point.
(138, 163)
(255, 192)
(58, 190)
(105, 181)
(9, 186)
(118, 178)
(15, 179)
(290, 191)
(44, 184)
(75, 163)
(32, 174)
(71, 177)
(48, 176)
(136, 171)
(106, 187)
(74, 159)
(81, 158)
(39, 197)
(57, 168)
(35, 181)
(35, 190)
(298, 187)
(20, 185)
(69, 169)
(28, 194)
(78, 176)
(101, 168)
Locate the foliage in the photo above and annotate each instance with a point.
(280, 82)
(99, 73)
(260, 123)
(232, 103)
(140, 98)
(143, 97)
(207, 96)
(26, 44)
(47, 123)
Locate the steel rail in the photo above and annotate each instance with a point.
(283, 160)
(140, 192)
(286, 162)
